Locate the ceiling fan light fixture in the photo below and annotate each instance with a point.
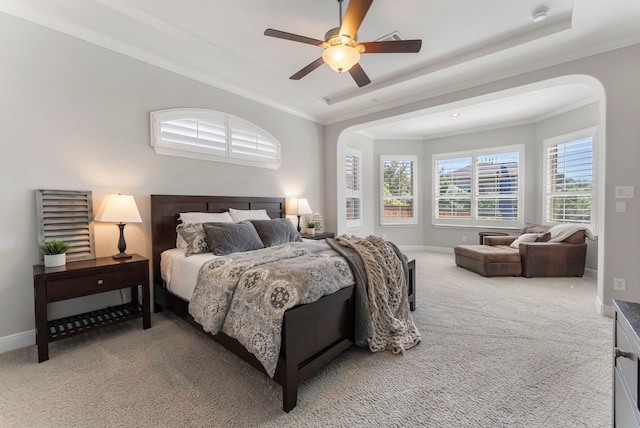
(341, 57)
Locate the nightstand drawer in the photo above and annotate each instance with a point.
(61, 289)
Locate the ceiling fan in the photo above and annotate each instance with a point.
(341, 50)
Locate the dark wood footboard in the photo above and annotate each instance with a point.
(312, 335)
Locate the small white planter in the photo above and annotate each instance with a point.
(311, 232)
(53, 260)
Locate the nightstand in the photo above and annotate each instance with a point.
(319, 236)
(83, 278)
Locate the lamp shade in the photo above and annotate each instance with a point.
(341, 57)
(303, 207)
(119, 209)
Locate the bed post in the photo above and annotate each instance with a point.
(290, 381)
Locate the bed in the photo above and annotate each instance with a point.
(312, 334)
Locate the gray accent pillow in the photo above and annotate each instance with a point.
(195, 238)
(227, 238)
(277, 231)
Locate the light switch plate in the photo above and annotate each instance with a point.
(624, 192)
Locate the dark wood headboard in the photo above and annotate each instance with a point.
(165, 210)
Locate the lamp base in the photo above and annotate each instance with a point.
(122, 245)
(122, 256)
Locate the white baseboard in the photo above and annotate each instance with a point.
(591, 273)
(602, 309)
(17, 341)
(425, 248)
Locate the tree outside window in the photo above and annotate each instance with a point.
(398, 189)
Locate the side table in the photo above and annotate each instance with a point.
(83, 278)
(483, 234)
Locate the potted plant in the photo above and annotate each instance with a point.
(54, 253)
(311, 228)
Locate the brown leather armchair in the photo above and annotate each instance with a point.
(542, 258)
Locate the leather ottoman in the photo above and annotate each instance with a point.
(488, 260)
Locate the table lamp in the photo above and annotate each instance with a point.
(299, 207)
(120, 209)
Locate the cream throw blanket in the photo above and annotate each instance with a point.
(393, 327)
(560, 232)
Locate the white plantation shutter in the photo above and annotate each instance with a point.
(214, 136)
(67, 216)
(569, 185)
(452, 189)
(399, 181)
(194, 134)
(497, 186)
(353, 193)
(248, 143)
(479, 188)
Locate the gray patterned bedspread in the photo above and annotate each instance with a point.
(245, 295)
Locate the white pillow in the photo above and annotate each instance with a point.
(242, 215)
(525, 237)
(190, 218)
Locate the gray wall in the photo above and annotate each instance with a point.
(76, 116)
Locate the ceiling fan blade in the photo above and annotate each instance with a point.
(353, 17)
(400, 46)
(359, 75)
(293, 37)
(308, 69)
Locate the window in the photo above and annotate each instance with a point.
(479, 188)
(569, 179)
(214, 136)
(353, 169)
(398, 199)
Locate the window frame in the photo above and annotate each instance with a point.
(473, 220)
(353, 193)
(229, 126)
(395, 221)
(591, 132)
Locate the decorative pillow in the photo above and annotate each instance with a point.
(242, 215)
(200, 217)
(195, 238)
(277, 231)
(525, 237)
(227, 238)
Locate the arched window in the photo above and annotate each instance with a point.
(214, 136)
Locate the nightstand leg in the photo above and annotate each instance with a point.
(146, 304)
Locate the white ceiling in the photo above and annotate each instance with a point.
(465, 42)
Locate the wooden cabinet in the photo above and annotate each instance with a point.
(626, 360)
(83, 278)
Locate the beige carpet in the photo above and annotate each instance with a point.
(501, 352)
